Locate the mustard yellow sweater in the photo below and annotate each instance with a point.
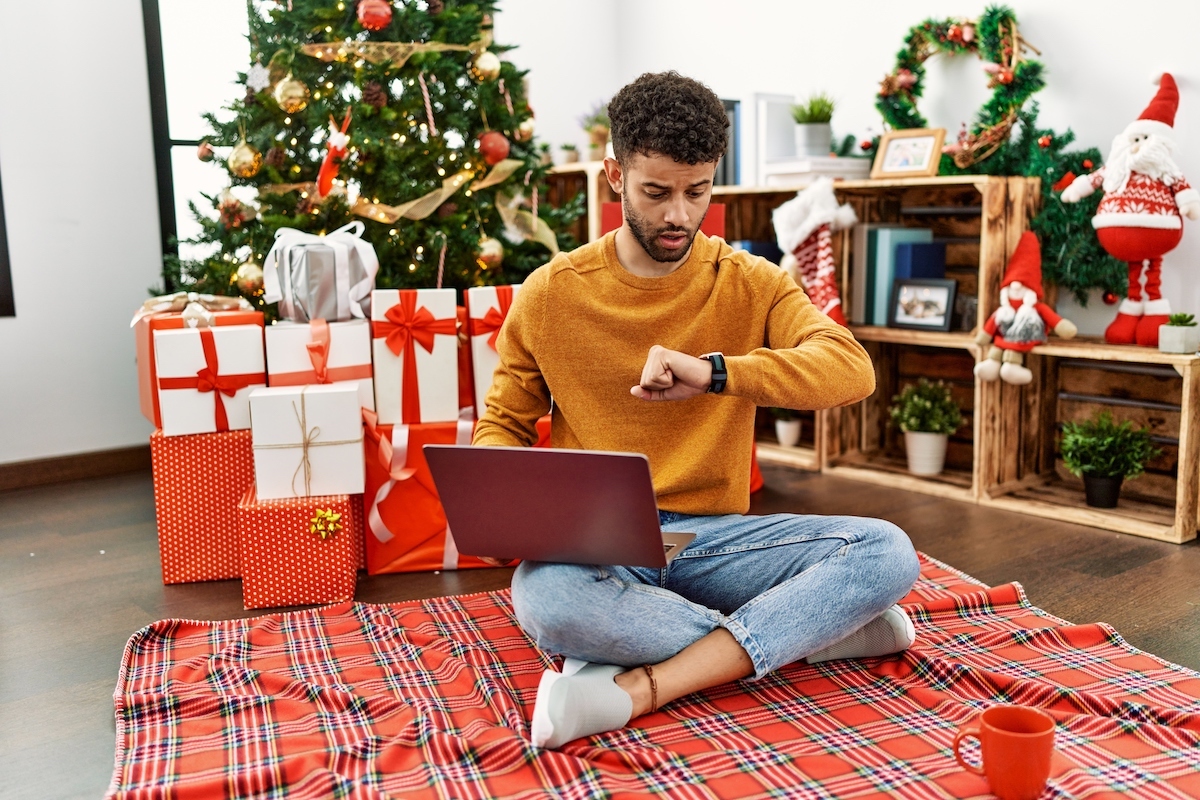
(580, 329)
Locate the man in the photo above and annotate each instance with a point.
(705, 335)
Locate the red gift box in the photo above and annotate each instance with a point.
(143, 332)
(198, 481)
(406, 528)
(299, 550)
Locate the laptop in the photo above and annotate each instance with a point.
(539, 504)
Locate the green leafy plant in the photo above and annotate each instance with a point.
(1182, 320)
(596, 118)
(817, 109)
(784, 414)
(1100, 447)
(925, 407)
(568, 147)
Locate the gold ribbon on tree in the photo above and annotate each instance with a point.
(519, 222)
(420, 208)
(325, 523)
(397, 53)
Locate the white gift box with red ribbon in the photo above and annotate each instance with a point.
(487, 308)
(307, 441)
(205, 376)
(320, 352)
(415, 344)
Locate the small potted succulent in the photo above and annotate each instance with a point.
(1179, 334)
(927, 414)
(1105, 454)
(814, 134)
(787, 426)
(570, 153)
(597, 125)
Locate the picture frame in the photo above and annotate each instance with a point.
(923, 304)
(911, 153)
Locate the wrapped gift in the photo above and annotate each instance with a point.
(172, 312)
(406, 529)
(466, 384)
(307, 441)
(415, 344)
(336, 353)
(198, 481)
(205, 376)
(487, 308)
(320, 277)
(298, 551)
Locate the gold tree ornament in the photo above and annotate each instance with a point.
(490, 253)
(244, 160)
(249, 277)
(525, 130)
(486, 66)
(291, 94)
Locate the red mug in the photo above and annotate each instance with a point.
(1015, 744)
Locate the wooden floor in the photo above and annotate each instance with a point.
(79, 574)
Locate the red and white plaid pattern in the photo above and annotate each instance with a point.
(432, 699)
(1145, 202)
(814, 259)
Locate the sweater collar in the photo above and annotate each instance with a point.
(702, 254)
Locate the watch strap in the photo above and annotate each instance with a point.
(720, 376)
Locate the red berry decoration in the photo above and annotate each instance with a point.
(493, 146)
(1087, 163)
(1110, 298)
(1044, 141)
(374, 15)
(865, 145)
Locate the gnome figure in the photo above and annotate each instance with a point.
(1140, 218)
(803, 227)
(1021, 321)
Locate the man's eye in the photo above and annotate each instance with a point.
(658, 196)
(695, 195)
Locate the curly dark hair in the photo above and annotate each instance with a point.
(664, 112)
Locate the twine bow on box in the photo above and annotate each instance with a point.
(492, 321)
(407, 326)
(308, 440)
(209, 379)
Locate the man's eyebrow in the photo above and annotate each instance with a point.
(664, 187)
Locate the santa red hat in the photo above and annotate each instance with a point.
(1025, 264)
(1159, 117)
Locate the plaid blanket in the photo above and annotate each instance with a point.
(432, 699)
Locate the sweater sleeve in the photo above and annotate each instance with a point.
(518, 396)
(808, 361)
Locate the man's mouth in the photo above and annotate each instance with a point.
(673, 239)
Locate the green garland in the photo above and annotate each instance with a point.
(1072, 257)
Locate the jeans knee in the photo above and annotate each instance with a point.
(541, 599)
(896, 550)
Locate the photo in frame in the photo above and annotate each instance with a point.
(924, 304)
(912, 153)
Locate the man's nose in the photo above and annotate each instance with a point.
(677, 212)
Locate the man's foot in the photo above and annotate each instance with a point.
(890, 632)
(580, 703)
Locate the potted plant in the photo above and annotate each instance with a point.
(927, 414)
(787, 426)
(1179, 334)
(1105, 454)
(814, 134)
(597, 125)
(570, 153)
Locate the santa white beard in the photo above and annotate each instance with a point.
(1025, 326)
(1154, 158)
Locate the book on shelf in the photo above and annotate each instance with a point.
(884, 253)
(920, 260)
(873, 253)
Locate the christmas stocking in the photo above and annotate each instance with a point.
(814, 262)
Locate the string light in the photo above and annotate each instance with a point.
(453, 156)
(328, 29)
(420, 249)
(441, 171)
(392, 232)
(395, 136)
(412, 267)
(287, 120)
(316, 95)
(329, 84)
(293, 141)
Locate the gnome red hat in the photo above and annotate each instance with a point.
(1159, 117)
(1025, 264)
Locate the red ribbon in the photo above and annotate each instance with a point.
(493, 319)
(318, 354)
(209, 379)
(405, 328)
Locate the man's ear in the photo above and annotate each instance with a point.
(616, 178)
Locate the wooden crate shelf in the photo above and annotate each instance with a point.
(886, 470)
(800, 457)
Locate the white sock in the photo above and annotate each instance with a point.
(890, 632)
(583, 703)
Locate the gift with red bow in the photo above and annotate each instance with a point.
(415, 344)
(205, 376)
(487, 308)
(320, 352)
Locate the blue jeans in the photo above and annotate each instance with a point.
(784, 585)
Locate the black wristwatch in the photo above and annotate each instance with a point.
(719, 375)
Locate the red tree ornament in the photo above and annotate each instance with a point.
(493, 146)
(1110, 298)
(1045, 141)
(338, 140)
(374, 15)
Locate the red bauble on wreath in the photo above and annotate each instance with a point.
(493, 146)
(374, 15)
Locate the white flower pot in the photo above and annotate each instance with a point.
(1178, 338)
(814, 139)
(926, 452)
(787, 431)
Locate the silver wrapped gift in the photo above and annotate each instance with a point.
(321, 277)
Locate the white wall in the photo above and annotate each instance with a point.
(79, 182)
(76, 159)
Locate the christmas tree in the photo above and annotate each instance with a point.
(403, 116)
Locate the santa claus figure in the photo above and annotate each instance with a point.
(1140, 218)
(803, 229)
(1021, 321)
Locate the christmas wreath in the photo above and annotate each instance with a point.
(1014, 78)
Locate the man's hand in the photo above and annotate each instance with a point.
(671, 375)
(496, 562)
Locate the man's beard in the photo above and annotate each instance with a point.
(1153, 159)
(648, 238)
